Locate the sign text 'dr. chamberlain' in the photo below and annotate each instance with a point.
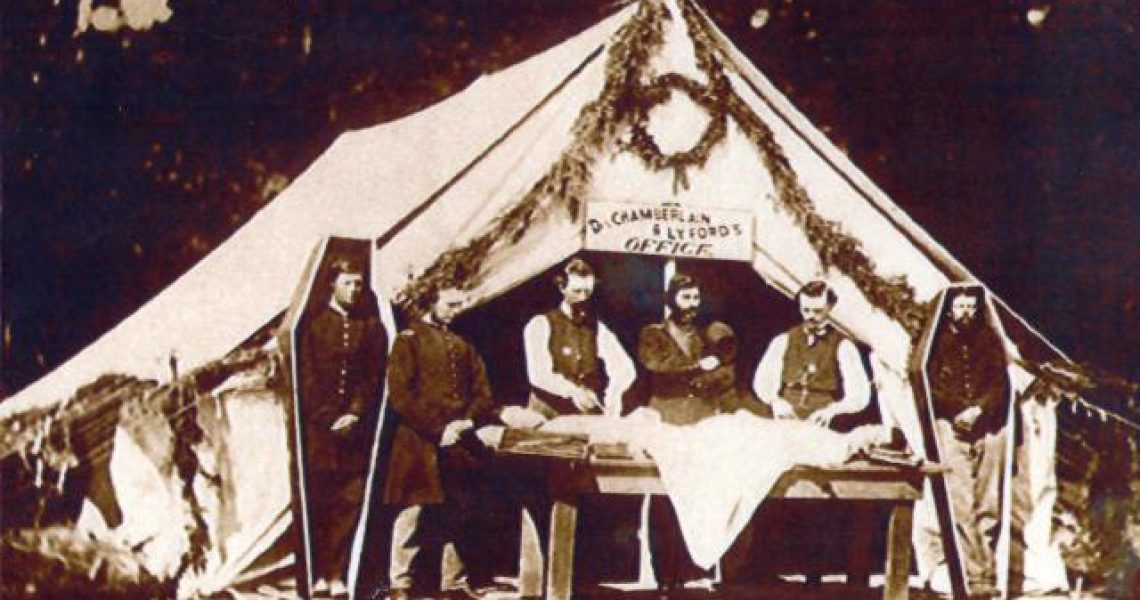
(669, 229)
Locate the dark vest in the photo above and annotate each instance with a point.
(574, 349)
(813, 369)
(574, 355)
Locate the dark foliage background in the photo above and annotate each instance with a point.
(129, 155)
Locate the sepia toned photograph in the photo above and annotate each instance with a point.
(516, 299)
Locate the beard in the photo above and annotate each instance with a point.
(966, 323)
(816, 326)
(684, 316)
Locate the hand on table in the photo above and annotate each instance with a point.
(518, 417)
(490, 435)
(585, 400)
(782, 409)
(823, 416)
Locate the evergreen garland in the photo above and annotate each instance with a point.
(568, 179)
(834, 247)
(645, 147)
(629, 94)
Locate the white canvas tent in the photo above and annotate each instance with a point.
(439, 178)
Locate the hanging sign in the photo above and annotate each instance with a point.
(669, 229)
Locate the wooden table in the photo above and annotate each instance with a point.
(569, 480)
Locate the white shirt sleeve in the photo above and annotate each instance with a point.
(619, 368)
(539, 366)
(856, 387)
(766, 382)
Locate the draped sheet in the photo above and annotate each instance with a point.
(717, 471)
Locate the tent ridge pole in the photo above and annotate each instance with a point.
(400, 225)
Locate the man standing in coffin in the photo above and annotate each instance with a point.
(575, 364)
(692, 376)
(970, 394)
(438, 388)
(343, 354)
(812, 371)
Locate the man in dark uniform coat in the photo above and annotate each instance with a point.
(342, 359)
(690, 365)
(691, 377)
(970, 392)
(438, 388)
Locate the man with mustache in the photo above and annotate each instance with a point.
(970, 396)
(812, 371)
(692, 376)
(575, 364)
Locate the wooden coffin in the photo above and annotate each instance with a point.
(921, 378)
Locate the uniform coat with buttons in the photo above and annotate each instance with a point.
(342, 365)
(683, 393)
(679, 389)
(342, 356)
(434, 377)
(967, 368)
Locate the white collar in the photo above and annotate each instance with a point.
(337, 308)
(429, 318)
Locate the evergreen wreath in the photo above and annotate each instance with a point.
(657, 92)
(628, 95)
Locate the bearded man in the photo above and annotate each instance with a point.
(970, 395)
(692, 376)
(574, 363)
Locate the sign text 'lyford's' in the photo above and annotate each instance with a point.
(669, 229)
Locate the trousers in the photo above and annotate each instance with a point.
(420, 526)
(334, 509)
(974, 481)
(672, 564)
